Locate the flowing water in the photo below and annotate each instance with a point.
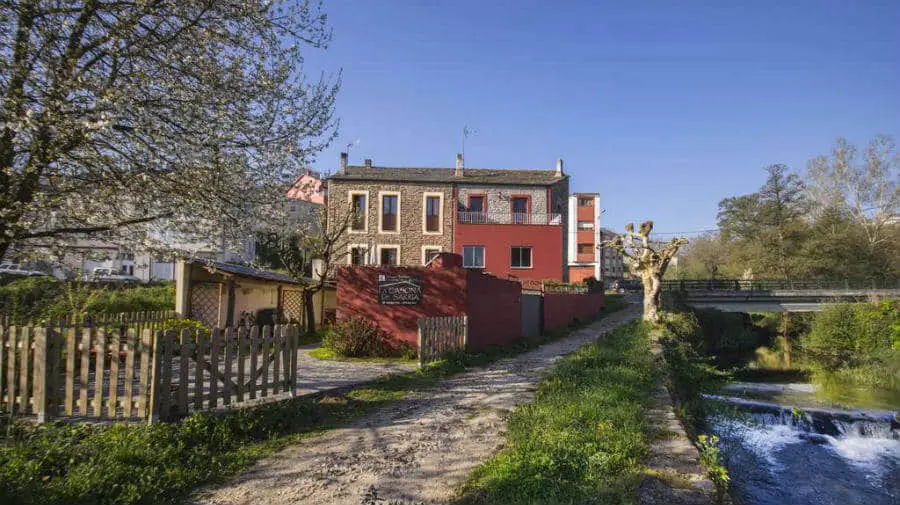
(794, 451)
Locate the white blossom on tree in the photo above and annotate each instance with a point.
(136, 117)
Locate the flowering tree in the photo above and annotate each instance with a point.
(646, 262)
(129, 118)
(314, 240)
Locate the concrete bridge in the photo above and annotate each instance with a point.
(736, 295)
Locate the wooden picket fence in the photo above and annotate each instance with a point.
(440, 335)
(127, 372)
(197, 371)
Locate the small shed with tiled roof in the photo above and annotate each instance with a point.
(222, 294)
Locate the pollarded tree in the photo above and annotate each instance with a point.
(646, 262)
(117, 115)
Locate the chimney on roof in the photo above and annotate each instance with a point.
(459, 165)
(344, 158)
(559, 167)
(368, 163)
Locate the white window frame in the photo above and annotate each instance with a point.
(426, 248)
(381, 195)
(483, 256)
(351, 247)
(440, 197)
(588, 225)
(350, 195)
(379, 248)
(530, 257)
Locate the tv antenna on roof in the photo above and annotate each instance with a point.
(351, 145)
(466, 132)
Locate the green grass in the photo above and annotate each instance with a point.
(164, 463)
(325, 353)
(584, 438)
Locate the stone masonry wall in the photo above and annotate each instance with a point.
(501, 204)
(410, 237)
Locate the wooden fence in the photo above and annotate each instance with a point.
(440, 335)
(129, 372)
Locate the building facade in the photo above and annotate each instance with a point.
(613, 264)
(584, 227)
(510, 223)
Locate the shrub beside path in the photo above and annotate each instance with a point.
(417, 450)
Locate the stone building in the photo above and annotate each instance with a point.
(510, 223)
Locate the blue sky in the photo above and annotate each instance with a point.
(664, 108)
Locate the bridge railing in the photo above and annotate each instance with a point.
(778, 284)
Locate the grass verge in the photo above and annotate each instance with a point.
(327, 354)
(583, 439)
(163, 463)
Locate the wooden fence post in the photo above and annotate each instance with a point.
(421, 343)
(465, 335)
(42, 378)
(295, 337)
(155, 377)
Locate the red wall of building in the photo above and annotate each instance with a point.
(579, 274)
(498, 239)
(562, 309)
(585, 213)
(494, 309)
(443, 294)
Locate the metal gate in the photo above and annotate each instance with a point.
(532, 315)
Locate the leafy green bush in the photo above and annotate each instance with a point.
(361, 338)
(39, 299)
(849, 335)
(134, 299)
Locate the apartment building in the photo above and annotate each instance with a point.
(584, 228)
(510, 223)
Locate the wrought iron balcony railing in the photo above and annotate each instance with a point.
(508, 218)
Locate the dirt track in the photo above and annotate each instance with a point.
(418, 450)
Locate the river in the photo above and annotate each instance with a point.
(784, 444)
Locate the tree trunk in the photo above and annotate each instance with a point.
(786, 335)
(310, 312)
(652, 282)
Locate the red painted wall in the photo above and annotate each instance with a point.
(579, 274)
(494, 309)
(562, 309)
(443, 294)
(498, 239)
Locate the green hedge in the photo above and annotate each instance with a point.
(39, 299)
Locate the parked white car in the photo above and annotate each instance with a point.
(15, 269)
(110, 275)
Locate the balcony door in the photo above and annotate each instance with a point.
(519, 206)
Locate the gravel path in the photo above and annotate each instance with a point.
(314, 375)
(418, 450)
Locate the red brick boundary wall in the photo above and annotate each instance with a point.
(443, 294)
(495, 310)
(560, 309)
(494, 306)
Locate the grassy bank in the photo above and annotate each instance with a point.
(583, 438)
(163, 463)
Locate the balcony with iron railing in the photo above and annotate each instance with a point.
(508, 218)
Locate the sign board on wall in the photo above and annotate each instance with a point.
(399, 290)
